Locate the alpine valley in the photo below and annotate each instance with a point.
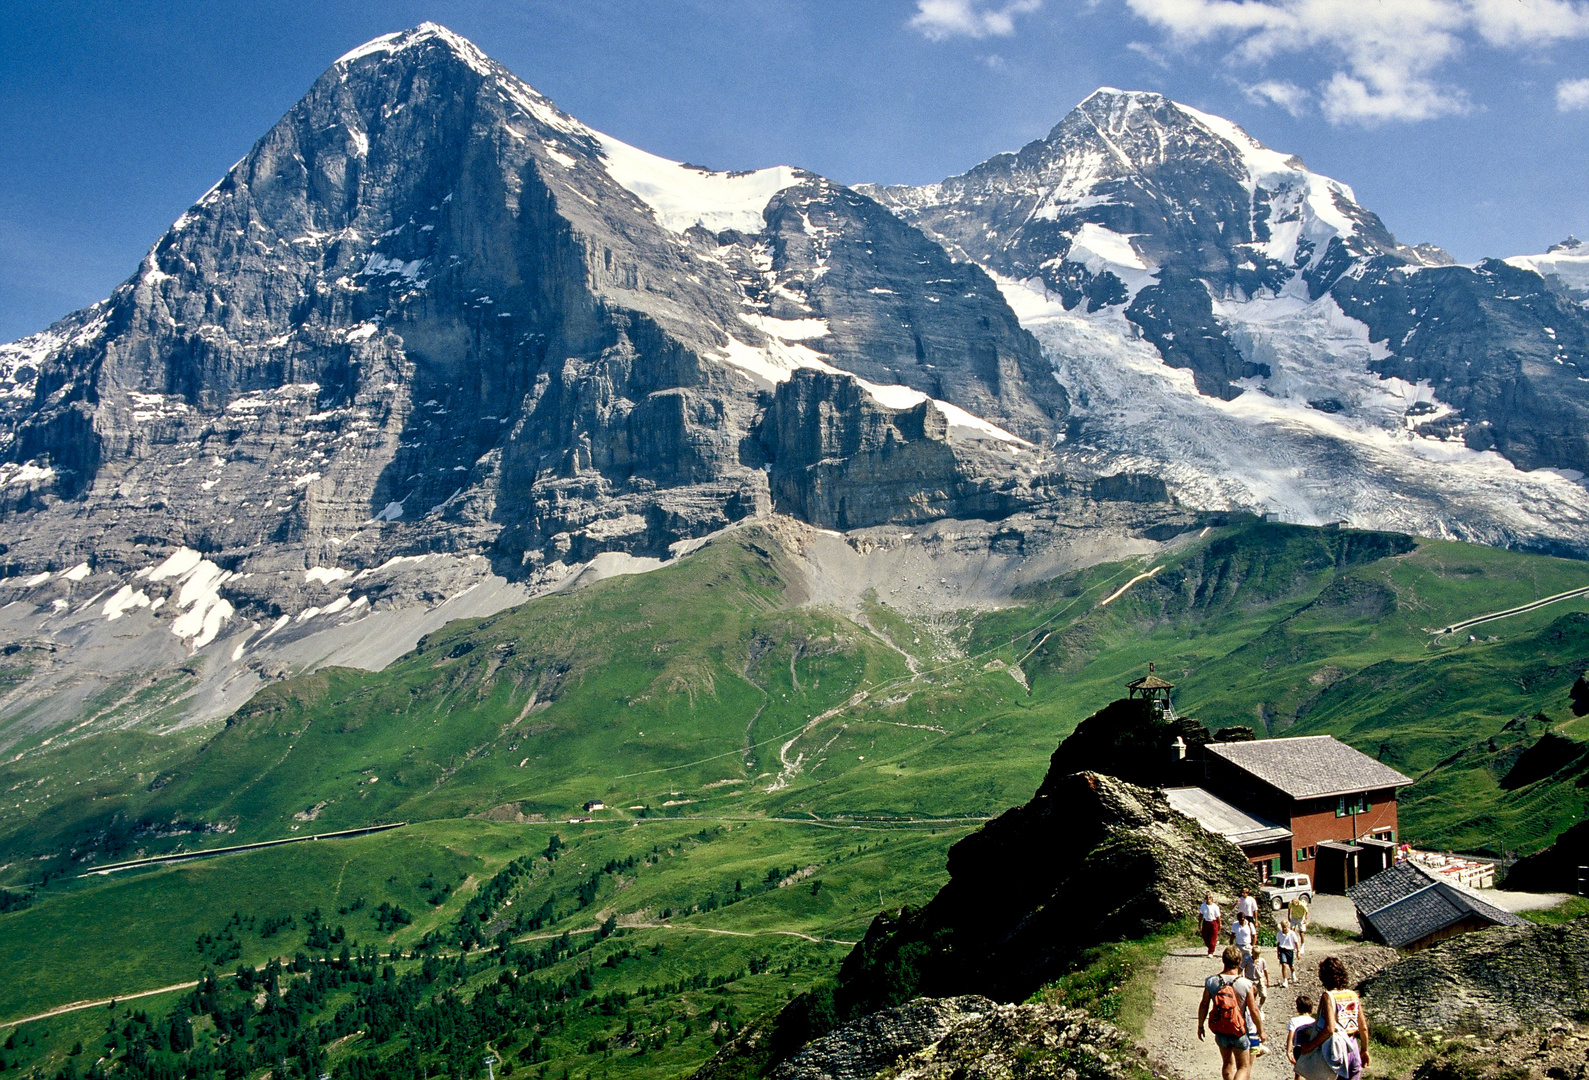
(455, 466)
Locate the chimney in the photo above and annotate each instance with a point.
(1178, 750)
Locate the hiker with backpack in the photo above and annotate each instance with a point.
(1337, 1045)
(1230, 1008)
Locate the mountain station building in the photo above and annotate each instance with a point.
(1338, 804)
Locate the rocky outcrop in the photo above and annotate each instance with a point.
(840, 459)
(883, 1040)
(979, 1040)
(1130, 740)
(1488, 982)
(1088, 859)
(1562, 1053)
(964, 1038)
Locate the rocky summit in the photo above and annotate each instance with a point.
(434, 346)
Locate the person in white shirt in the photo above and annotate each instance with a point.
(1244, 937)
(1247, 906)
(1286, 946)
(1208, 915)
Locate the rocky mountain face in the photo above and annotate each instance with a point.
(426, 314)
(434, 340)
(1331, 372)
(434, 345)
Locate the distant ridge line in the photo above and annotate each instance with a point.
(184, 856)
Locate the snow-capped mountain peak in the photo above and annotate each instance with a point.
(1226, 317)
(415, 37)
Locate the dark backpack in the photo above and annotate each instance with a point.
(1224, 1015)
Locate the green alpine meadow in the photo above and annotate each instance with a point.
(772, 775)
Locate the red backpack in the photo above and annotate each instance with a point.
(1224, 1015)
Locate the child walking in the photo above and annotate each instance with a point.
(1303, 1019)
(1257, 973)
(1286, 946)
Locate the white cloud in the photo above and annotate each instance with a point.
(1572, 94)
(1289, 96)
(1148, 52)
(1389, 53)
(941, 19)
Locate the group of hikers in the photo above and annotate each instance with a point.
(1327, 1043)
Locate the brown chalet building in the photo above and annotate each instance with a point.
(1338, 804)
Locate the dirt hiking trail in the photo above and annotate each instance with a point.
(1171, 1032)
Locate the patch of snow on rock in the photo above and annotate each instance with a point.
(684, 196)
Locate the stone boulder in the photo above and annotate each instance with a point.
(964, 1038)
(1487, 982)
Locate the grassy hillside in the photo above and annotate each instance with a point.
(748, 748)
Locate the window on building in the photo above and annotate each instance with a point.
(1307, 854)
(1347, 805)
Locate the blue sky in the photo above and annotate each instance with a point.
(1461, 122)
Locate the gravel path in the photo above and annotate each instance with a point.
(1171, 1032)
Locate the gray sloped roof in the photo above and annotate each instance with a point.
(1390, 885)
(1408, 902)
(1219, 817)
(1309, 766)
